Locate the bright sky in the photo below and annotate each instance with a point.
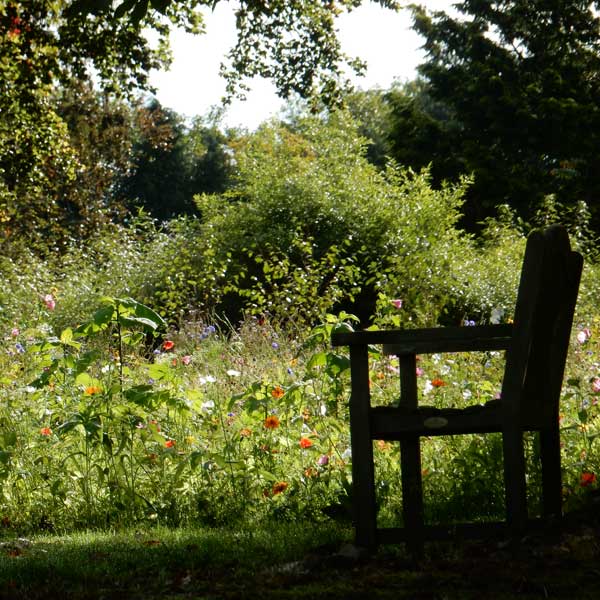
(192, 85)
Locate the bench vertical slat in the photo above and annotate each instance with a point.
(410, 460)
(363, 474)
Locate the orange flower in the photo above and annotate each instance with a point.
(305, 443)
(45, 431)
(245, 432)
(271, 422)
(277, 392)
(168, 345)
(170, 443)
(92, 389)
(437, 383)
(279, 487)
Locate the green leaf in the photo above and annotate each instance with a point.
(319, 359)
(336, 364)
(138, 313)
(158, 371)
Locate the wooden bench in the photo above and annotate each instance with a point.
(536, 346)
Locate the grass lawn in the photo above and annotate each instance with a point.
(293, 561)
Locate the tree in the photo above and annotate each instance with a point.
(171, 162)
(292, 42)
(521, 78)
(422, 132)
(41, 54)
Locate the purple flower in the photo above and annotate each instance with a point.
(19, 348)
(397, 303)
(275, 345)
(468, 323)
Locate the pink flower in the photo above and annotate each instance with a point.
(323, 460)
(596, 384)
(397, 303)
(584, 335)
(420, 372)
(15, 332)
(49, 302)
(186, 360)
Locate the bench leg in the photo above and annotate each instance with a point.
(412, 494)
(551, 472)
(514, 481)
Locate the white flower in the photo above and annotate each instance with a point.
(427, 387)
(207, 406)
(347, 454)
(467, 394)
(233, 373)
(207, 379)
(323, 410)
(496, 316)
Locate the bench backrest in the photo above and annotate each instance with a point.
(542, 326)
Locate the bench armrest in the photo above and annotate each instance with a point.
(428, 341)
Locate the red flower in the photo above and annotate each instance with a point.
(305, 443)
(45, 431)
(587, 479)
(438, 383)
(170, 443)
(168, 345)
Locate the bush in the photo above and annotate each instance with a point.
(309, 214)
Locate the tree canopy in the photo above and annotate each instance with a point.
(292, 42)
(521, 78)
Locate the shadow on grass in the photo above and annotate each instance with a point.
(293, 561)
